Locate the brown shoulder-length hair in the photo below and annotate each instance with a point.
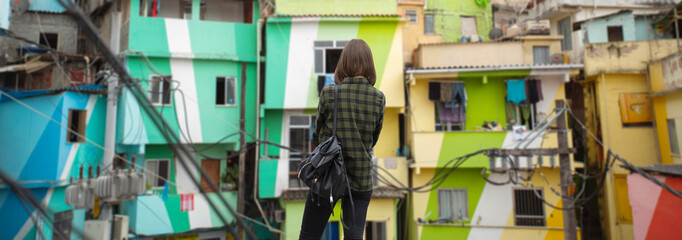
(356, 60)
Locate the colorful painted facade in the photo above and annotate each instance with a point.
(457, 21)
(665, 87)
(651, 204)
(618, 109)
(483, 210)
(305, 43)
(192, 57)
(42, 156)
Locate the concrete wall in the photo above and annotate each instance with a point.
(625, 57)
(597, 28)
(413, 33)
(28, 26)
(470, 54)
(553, 42)
(447, 17)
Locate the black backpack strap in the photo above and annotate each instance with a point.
(352, 206)
(336, 103)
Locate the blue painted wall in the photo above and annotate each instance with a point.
(35, 153)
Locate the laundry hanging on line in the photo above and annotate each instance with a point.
(516, 91)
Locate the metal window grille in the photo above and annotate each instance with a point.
(528, 208)
(412, 14)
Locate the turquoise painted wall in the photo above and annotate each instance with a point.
(469, 179)
(447, 17)
(335, 7)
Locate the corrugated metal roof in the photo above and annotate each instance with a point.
(334, 15)
(674, 170)
(51, 6)
(497, 67)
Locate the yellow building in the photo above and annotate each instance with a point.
(465, 204)
(665, 89)
(618, 109)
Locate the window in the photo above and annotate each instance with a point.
(160, 167)
(620, 183)
(452, 204)
(528, 208)
(179, 9)
(412, 14)
(541, 54)
(615, 33)
(428, 24)
(672, 135)
(331, 231)
(468, 25)
(160, 90)
(449, 110)
(327, 54)
(226, 91)
(62, 223)
(77, 125)
(49, 39)
(300, 137)
(225, 11)
(375, 230)
(566, 30)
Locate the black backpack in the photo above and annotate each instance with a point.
(324, 171)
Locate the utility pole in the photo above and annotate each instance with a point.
(565, 172)
(242, 147)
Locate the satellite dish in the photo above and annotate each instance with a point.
(495, 33)
(557, 58)
(20, 6)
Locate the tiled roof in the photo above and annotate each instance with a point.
(674, 170)
(300, 194)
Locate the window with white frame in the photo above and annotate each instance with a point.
(157, 171)
(412, 13)
(428, 24)
(528, 207)
(452, 204)
(160, 90)
(300, 138)
(226, 91)
(327, 54)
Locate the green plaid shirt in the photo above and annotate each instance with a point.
(360, 114)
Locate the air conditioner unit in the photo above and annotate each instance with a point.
(280, 216)
(121, 227)
(97, 230)
(535, 27)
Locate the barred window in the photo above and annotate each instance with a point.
(528, 207)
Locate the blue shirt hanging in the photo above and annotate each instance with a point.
(516, 91)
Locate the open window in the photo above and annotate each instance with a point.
(178, 9)
(449, 101)
(235, 11)
(49, 39)
(76, 125)
(327, 54)
(226, 91)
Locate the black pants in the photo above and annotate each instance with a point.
(315, 217)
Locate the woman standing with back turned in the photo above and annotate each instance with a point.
(360, 116)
